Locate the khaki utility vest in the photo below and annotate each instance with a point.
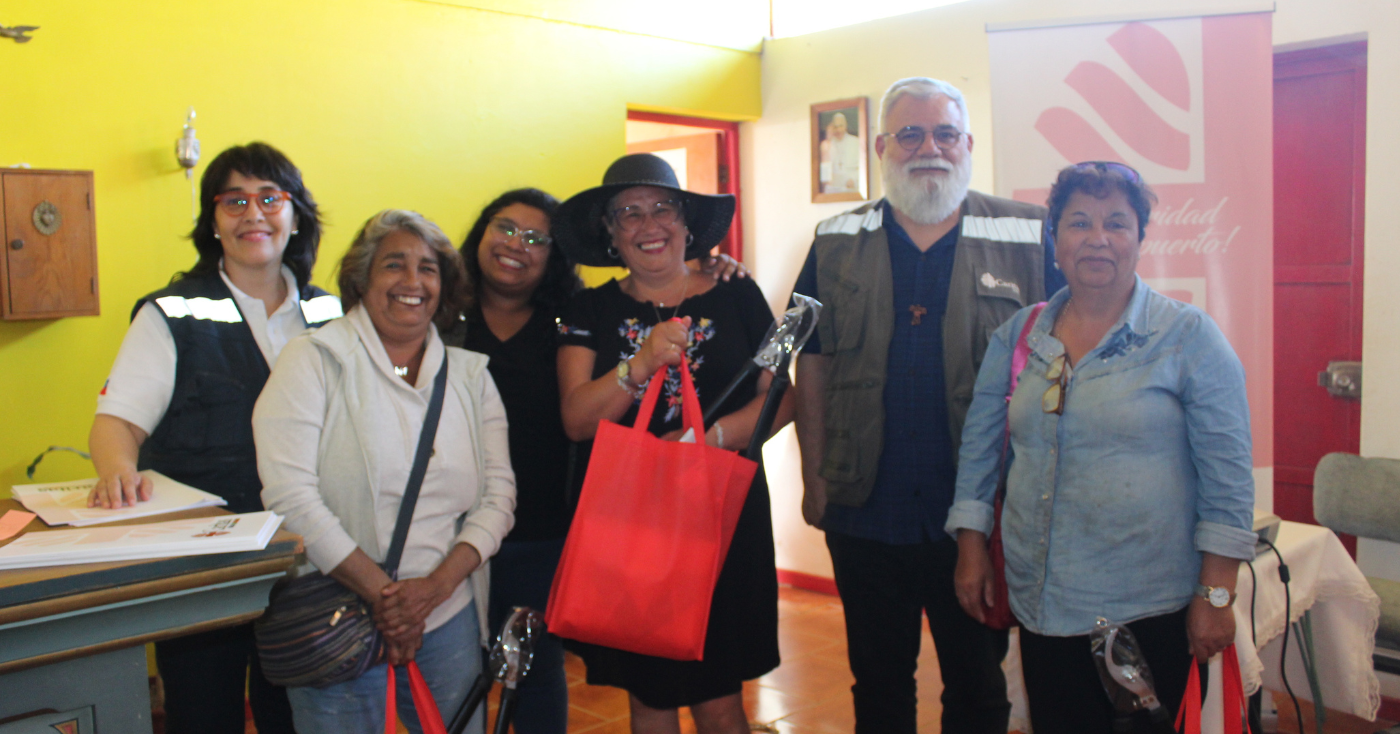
(998, 268)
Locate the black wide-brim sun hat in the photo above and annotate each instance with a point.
(578, 223)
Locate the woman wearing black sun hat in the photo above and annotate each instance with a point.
(613, 338)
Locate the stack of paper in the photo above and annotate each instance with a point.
(224, 534)
(65, 503)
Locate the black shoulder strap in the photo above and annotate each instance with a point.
(420, 468)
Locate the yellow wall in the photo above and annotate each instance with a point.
(382, 103)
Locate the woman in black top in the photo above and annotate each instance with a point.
(613, 340)
(523, 282)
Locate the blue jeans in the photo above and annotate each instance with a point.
(521, 573)
(450, 660)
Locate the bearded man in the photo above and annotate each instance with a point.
(913, 287)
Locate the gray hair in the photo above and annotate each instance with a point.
(921, 87)
(355, 267)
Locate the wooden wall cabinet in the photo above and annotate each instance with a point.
(49, 267)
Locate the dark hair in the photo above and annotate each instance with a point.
(559, 281)
(1099, 180)
(256, 160)
(456, 291)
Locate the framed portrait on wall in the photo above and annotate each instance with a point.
(840, 151)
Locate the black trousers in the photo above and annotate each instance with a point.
(886, 590)
(1062, 680)
(204, 676)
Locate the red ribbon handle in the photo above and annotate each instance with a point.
(428, 715)
(1231, 693)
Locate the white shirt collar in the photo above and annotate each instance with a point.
(287, 303)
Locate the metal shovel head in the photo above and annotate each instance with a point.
(789, 334)
(515, 648)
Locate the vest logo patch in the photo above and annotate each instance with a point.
(991, 281)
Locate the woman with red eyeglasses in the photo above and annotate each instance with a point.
(179, 399)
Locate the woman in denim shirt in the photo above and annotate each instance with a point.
(1130, 495)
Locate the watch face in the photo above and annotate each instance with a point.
(1219, 597)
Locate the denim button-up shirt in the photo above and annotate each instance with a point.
(1110, 505)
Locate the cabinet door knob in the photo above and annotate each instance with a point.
(16, 244)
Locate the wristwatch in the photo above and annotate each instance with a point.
(624, 369)
(1218, 596)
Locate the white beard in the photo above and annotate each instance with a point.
(927, 200)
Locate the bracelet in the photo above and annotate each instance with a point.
(719, 435)
(636, 391)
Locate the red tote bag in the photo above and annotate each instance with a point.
(651, 532)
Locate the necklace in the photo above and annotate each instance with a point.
(402, 370)
(685, 288)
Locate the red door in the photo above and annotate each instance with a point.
(1319, 195)
(726, 171)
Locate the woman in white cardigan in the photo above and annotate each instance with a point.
(336, 429)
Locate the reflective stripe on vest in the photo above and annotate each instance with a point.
(1002, 229)
(321, 308)
(178, 307)
(853, 222)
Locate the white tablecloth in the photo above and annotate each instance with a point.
(1345, 612)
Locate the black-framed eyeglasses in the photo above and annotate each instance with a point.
(911, 137)
(631, 218)
(529, 238)
(1123, 169)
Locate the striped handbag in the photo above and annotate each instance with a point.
(316, 632)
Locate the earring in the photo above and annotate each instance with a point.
(217, 237)
(689, 238)
(296, 231)
(613, 253)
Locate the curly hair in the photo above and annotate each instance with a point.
(456, 293)
(1100, 179)
(256, 160)
(559, 283)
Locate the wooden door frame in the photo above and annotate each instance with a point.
(728, 160)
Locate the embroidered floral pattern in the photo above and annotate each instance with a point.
(635, 333)
(1126, 342)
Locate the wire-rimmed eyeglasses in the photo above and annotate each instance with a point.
(631, 218)
(911, 137)
(530, 238)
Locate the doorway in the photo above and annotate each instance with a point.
(1319, 217)
(704, 154)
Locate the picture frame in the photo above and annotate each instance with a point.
(840, 150)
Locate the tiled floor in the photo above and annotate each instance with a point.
(810, 692)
